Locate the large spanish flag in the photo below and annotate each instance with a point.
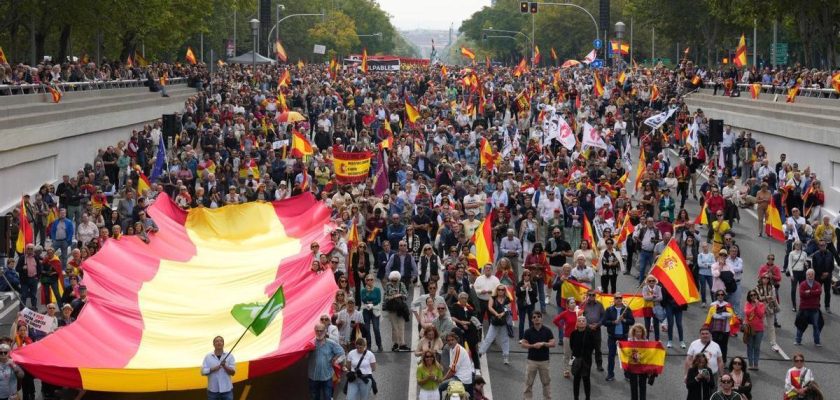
(300, 145)
(351, 167)
(673, 273)
(466, 52)
(773, 222)
(153, 330)
(485, 252)
(25, 233)
(570, 288)
(641, 356)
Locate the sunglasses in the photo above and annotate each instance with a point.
(798, 360)
(737, 363)
(721, 295)
(4, 353)
(725, 381)
(427, 357)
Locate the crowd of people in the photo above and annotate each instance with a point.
(417, 231)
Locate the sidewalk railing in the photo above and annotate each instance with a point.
(826, 93)
(8, 90)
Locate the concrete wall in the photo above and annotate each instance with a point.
(808, 133)
(61, 144)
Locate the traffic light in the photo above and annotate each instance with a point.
(534, 7)
(523, 7)
(483, 36)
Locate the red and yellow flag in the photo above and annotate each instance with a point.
(740, 58)
(140, 60)
(755, 90)
(734, 322)
(55, 94)
(835, 80)
(521, 68)
(280, 52)
(364, 61)
(627, 229)
(25, 233)
(443, 71)
(128, 62)
(553, 55)
(143, 183)
(353, 237)
(483, 238)
(411, 112)
(575, 289)
(702, 218)
(285, 78)
(597, 87)
(622, 77)
(589, 236)
(696, 80)
(489, 158)
(466, 52)
(190, 56)
(388, 142)
(3, 59)
(645, 357)
(300, 145)
(351, 167)
(673, 273)
(636, 303)
(773, 222)
(792, 93)
(654, 93)
(640, 169)
(537, 55)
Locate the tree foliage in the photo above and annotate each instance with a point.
(338, 33)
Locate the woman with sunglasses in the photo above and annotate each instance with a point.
(344, 285)
(742, 383)
(799, 381)
(526, 297)
(429, 376)
(767, 294)
(499, 309)
(718, 320)
(754, 310)
(9, 374)
(370, 300)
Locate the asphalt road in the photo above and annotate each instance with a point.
(768, 383)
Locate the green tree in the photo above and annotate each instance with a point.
(338, 33)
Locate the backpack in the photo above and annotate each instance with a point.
(728, 279)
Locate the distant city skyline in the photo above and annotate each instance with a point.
(430, 14)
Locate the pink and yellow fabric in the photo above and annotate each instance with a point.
(153, 309)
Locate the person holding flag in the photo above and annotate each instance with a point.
(219, 366)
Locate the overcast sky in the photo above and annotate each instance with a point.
(430, 14)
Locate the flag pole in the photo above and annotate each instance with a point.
(237, 342)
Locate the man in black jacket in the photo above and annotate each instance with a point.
(823, 263)
(618, 319)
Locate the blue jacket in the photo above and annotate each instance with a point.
(610, 316)
(69, 227)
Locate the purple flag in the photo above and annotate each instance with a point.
(380, 178)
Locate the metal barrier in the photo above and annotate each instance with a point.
(826, 93)
(9, 90)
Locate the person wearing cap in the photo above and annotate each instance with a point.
(395, 297)
(618, 319)
(10, 373)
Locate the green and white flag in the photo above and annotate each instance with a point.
(255, 316)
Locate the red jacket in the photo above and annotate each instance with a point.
(809, 296)
(715, 204)
(774, 269)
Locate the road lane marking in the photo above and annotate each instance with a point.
(415, 333)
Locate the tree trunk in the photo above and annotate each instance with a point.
(63, 42)
(127, 45)
(40, 39)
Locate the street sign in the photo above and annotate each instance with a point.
(597, 63)
(597, 43)
(779, 53)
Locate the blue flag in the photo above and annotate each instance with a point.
(160, 159)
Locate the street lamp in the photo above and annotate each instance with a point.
(619, 33)
(255, 30)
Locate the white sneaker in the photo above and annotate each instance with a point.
(669, 345)
(682, 344)
(507, 362)
(775, 347)
(704, 305)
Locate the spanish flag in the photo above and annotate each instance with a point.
(773, 222)
(673, 273)
(333, 68)
(570, 288)
(835, 80)
(483, 238)
(300, 145)
(52, 217)
(250, 167)
(734, 322)
(702, 218)
(388, 142)
(755, 90)
(696, 80)
(364, 61)
(466, 52)
(351, 167)
(411, 112)
(637, 304)
(25, 233)
(281, 101)
(143, 183)
(353, 237)
(627, 229)
(55, 94)
(521, 68)
(589, 236)
(372, 235)
(622, 78)
(740, 58)
(597, 87)
(537, 55)
(141, 61)
(792, 92)
(285, 78)
(489, 158)
(645, 357)
(280, 51)
(553, 55)
(128, 62)
(640, 169)
(3, 59)
(190, 56)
